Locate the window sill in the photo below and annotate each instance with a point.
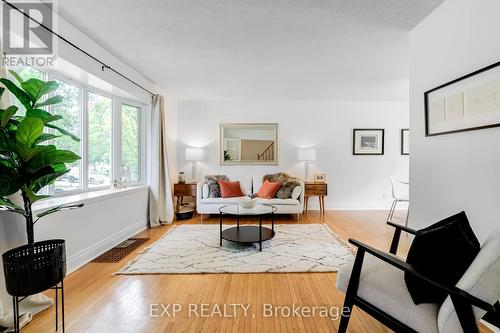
(86, 197)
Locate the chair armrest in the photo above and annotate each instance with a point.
(397, 235)
(400, 264)
(402, 227)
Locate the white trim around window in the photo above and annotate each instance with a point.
(116, 135)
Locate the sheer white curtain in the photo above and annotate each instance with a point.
(11, 236)
(161, 208)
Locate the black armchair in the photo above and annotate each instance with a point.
(377, 286)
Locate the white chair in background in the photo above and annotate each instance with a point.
(398, 196)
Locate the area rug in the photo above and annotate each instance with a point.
(195, 249)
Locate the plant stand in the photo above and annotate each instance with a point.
(16, 300)
(33, 268)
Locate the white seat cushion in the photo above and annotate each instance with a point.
(220, 200)
(276, 201)
(482, 279)
(383, 286)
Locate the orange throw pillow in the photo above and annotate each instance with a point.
(230, 189)
(268, 190)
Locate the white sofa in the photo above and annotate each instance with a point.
(249, 186)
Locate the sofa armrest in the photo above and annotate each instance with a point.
(199, 192)
(302, 193)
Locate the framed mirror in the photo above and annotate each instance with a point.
(249, 143)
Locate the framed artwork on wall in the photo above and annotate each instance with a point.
(405, 141)
(468, 103)
(368, 141)
(319, 177)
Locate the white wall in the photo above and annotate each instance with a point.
(453, 172)
(89, 231)
(355, 182)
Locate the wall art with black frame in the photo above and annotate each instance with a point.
(368, 141)
(405, 141)
(468, 103)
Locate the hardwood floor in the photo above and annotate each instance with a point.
(97, 301)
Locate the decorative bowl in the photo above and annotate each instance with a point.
(247, 202)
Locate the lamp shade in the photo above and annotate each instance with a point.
(194, 154)
(307, 154)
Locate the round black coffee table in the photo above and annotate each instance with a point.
(247, 233)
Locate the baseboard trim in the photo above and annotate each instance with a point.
(356, 205)
(85, 256)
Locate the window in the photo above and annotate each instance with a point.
(112, 133)
(131, 138)
(70, 109)
(99, 140)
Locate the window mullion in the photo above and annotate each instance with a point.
(51, 189)
(116, 151)
(84, 118)
(142, 144)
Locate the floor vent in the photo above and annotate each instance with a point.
(120, 251)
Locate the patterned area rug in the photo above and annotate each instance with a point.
(195, 249)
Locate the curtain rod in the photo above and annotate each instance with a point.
(103, 65)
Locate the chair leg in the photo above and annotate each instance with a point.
(344, 319)
(389, 217)
(407, 214)
(394, 209)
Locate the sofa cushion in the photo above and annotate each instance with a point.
(225, 201)
(230, 189)
(268, 190)
(288, 183)
(246, 185)
(204, 191)
(286, 189)
(297, 190)
(276, 201)
(256, 183)
(213, 185)
(383, 286)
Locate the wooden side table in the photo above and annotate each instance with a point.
(315, 189)
(185, 190)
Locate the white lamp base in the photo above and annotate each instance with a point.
(193, 171)
(306, 170)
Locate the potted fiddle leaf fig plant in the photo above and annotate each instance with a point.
(30, 161)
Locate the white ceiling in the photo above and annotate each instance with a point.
(259, 49)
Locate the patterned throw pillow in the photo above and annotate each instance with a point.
(213, 185)
(286, 189)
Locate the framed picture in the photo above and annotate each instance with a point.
(468, 103)
(405, 141)
(368, 141)
(319, 177)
